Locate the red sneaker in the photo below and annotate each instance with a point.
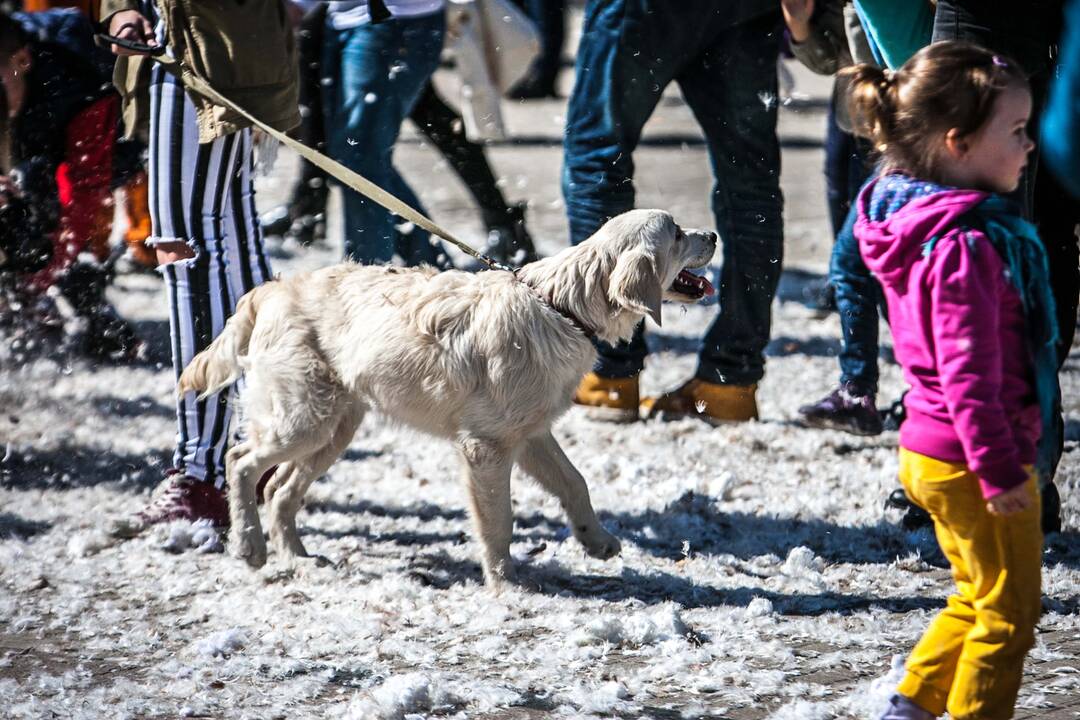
(176, 498)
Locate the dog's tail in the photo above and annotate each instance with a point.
(218, 366)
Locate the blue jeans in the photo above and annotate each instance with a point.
(726, 68)
(846, 168)
(858, 297)
(373, 75)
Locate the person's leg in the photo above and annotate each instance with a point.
(220, 229)
(83, 188)
(970, 659)
(857, 299)
(745, 155)
(837, 153)
(619, 80)
(190, 187)
(851, 407)
(303, 217)
(309, 193)
(374, 75)
(1005, 557)
(508, 240)
(550, 19)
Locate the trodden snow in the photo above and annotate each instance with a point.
(760, 576)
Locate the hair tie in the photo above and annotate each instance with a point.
(999, 61)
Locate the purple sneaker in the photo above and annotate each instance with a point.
(900, 708)
(845, 408)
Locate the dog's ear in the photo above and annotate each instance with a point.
(635, 285)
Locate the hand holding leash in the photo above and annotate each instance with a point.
(130, 33)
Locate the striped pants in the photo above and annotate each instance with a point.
(201, 195)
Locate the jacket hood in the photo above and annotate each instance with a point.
(897, 216)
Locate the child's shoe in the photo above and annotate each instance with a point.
(608, 399)
(845, 408)
(900, 708)
(177, 498)
(712, 402)
(914, 516)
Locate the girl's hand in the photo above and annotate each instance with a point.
(797, 15)
(1011, 501)
(131, 25)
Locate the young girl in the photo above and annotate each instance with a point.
(973, 327)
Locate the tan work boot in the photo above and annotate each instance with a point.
(608, 399)
(712, 402)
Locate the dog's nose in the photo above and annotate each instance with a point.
(713, 238)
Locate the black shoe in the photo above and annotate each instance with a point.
(275, 222)
(533, 87)
(308, 229)
(914, 517)
(893, 416)
(109, 337)
(509, 241)
(1051, 509)
(303, 218)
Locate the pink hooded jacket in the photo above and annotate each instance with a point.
(959, 334)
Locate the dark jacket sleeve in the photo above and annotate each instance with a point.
(826, 50)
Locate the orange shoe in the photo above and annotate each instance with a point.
(712, 402)
(608, 399)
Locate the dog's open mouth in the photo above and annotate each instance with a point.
(692, 286)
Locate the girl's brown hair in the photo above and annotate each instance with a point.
(907, 113)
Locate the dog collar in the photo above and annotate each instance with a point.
(570, 317)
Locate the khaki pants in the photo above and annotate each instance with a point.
(970, 660)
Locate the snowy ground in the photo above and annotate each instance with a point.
(759, 576)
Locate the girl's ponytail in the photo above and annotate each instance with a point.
(872, 102)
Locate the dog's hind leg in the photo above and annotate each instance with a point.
(486, 470)
(543, 459)
(244, 465)
(289, 496)
(277, 481)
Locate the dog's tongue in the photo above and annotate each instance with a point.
(697, 281)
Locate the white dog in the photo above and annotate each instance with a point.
(486, 360)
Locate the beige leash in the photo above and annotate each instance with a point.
(352, 179)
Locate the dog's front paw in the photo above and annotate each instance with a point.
(599, 543)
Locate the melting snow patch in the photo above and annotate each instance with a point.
(85, 544)
(603, 699)
(759, 607)
(802, 710)
(802, 564)
(634, 631)
(199, 535)
(399, 697)
(222, 644)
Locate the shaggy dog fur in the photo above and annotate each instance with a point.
(484, 360)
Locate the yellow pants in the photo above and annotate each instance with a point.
(971, 658)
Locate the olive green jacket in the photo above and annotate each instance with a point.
(243, 48)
